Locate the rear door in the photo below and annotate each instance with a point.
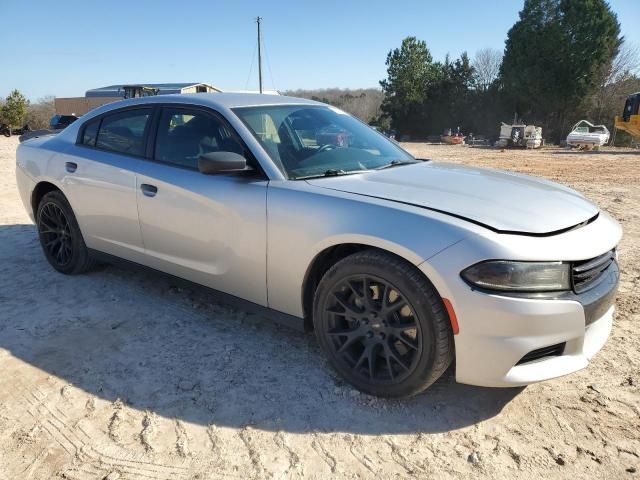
(100, 180)
(210, 229)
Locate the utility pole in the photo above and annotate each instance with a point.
(259, 55)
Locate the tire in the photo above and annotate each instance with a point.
(400, 326)
(60, 235)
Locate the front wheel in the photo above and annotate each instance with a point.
(382, 325)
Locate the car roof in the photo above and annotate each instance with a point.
(219, 100)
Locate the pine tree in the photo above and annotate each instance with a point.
(554, 57)
(14, 109)
(409, 72)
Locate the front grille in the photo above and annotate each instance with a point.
(586, 274)
(551, 351)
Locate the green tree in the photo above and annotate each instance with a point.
(410, 70)
(554, 58)
(448, 97)
(14, 109)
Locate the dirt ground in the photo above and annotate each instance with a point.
(121, 374)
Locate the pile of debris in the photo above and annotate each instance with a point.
(452, 138)
(519, 136)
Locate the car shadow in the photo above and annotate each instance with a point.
(159, 344)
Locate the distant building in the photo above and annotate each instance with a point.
(99, 96)
(124, 91)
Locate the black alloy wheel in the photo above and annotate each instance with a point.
(60, 235)
(382, 324)
(373, 329)
(55, 232)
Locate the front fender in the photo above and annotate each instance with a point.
(303, 221)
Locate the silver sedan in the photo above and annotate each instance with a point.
(296, 209)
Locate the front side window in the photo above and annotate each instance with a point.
(123, 132)
(306, 141)
(185, 134)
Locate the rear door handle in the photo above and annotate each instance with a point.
(148, 190)
(71, 167)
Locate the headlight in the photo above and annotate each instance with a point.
(519, 276)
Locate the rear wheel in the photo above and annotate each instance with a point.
(60, 235)
(382, 325)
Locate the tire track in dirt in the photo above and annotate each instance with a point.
(254, 455)
(65, 435)
(357, 450)
(90, 407)
(182, 441)
(148, 433)
(82, 471)
(33, 465)
(324, 454)
(115, 421)
(214, 438)
(399, 458)
(294, 459)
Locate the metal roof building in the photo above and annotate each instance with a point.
(162, 89)
(99, 96)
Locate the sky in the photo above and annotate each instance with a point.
(67, 47)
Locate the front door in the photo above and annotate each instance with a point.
(210, 229)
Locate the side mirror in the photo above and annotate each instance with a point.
(221, 162)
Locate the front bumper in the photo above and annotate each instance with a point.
(581, 346)
(504, 329)
(496, 331)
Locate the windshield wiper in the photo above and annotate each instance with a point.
(332, 172)
(396, 163)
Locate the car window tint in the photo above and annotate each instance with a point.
(124, 132)
(90, 133)
(184, 135)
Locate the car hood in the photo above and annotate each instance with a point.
(502, 201)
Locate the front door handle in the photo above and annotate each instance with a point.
(71, 167)
(148, 190)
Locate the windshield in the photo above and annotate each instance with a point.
(306, 141)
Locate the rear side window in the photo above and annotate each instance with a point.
(185, 134)
(124, 132)
(90, 133)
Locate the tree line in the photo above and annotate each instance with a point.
(364, 103)
(564, 60)
(16, 111)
